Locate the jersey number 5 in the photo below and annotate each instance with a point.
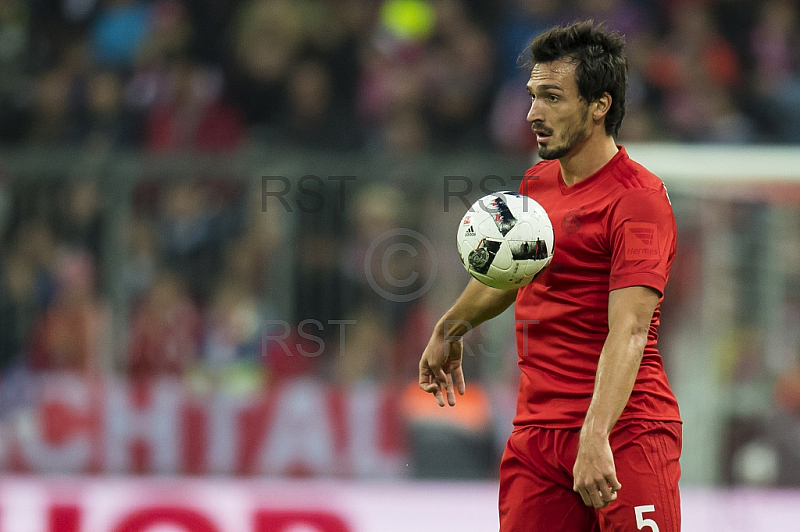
(641, 522)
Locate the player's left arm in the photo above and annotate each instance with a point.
(629, 313)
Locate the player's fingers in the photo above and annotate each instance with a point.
(610, 486)
(441, 377)
(584, 495)
(607, 494)
(426, 382)
(437, 394)
(612, 480)
(430, 387)
(461, 386)
(424, 378)
(596, 497)
(451, 395)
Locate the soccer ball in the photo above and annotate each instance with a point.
(505, 239)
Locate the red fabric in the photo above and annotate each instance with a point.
(215, 127)
(67, 337)
(164, 341)
(536, 480)
(614, 229)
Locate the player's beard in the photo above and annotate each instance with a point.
(574, 135)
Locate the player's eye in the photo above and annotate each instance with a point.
(552, 98)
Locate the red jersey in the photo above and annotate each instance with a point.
(612, 230)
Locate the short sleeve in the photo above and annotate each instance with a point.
(643, 239)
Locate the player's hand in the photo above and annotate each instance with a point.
(594, 472)
(440, 368)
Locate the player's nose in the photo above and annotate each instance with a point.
(535, 112)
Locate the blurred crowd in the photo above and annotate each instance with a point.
(202, 258)
(201, 264)
(397, 76)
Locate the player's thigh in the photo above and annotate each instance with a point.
(646, 456)
(534, 499)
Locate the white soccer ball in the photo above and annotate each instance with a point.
(505, 239)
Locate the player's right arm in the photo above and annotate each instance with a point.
(440, 364)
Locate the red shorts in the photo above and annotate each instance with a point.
(536, 481)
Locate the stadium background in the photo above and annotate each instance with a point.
(226, 229)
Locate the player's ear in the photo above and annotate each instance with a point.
(601, 106)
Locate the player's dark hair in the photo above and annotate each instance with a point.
(601, 65)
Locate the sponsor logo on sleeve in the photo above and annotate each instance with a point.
(641, 241)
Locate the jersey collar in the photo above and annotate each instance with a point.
(597, 176)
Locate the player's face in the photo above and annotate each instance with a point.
(558, 116)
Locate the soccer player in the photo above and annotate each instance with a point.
(597, 432)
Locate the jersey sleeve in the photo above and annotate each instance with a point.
(643, 240)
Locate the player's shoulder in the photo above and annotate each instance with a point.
(542, 170)
(638, 189)
(539, 177)
(632, 175)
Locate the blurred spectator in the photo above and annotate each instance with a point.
(51, 116)
(35, 246)
(405, 135)
(254, 258)
(15, 43)
(170, 32)
(18, 310)
(775, 78)
(14, 28)
(235, 355)
(233, 328)
(192, 114)
(787, 391)
(108, 122)
(72, 334)
(461, 79)
(268, 38)
(366, 355)
(784, 429)
(143, 259)
(119, 31)
(190, 235)
(244, 264)
(165, 331)
(311, 118)
(80, 218)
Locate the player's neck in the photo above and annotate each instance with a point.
(587, 158)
